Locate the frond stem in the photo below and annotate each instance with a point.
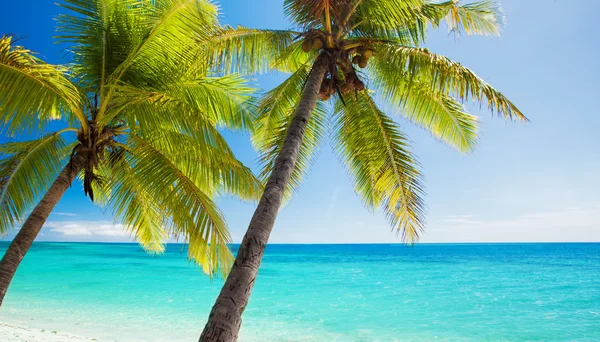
(341, 30)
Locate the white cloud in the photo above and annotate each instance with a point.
(458, 219)
(87, 229)
(569, 224)
(64, 214)
(572, 224)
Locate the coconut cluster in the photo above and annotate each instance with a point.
(362, 55)
(312, 42)
(343, 76)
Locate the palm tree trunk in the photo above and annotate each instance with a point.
(225, 318)
(32, 226)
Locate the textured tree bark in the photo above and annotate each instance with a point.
(32, 226)
(225, 318)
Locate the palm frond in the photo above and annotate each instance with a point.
(190, 212)
(33, 92)
(399, 20)
(155, 200)
(173, 38)
(475, 18)
(250, 51)
(379, 160)
(224, 101)
(206, 159)
(443, 75)
(311, 13)
(27, 169)
(168, 44)
(293, 58)
(131, 203)
(100, 33)
(442, 115)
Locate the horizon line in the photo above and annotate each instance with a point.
(341, 243)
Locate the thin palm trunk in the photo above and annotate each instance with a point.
(32, 226)
(225, 318)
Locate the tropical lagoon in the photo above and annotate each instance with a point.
(430, 292)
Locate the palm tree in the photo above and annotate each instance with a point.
(145, 108)
(346, 52)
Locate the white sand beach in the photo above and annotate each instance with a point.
(17, 333)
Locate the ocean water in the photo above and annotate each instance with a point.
(465, 292)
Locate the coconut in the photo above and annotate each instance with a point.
(317, 44)
(368, 53)
(307, 44)
(360, 50)
(363, 62)
(346, 88)
(356, 59)
(359, 85)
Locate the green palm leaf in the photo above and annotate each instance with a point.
(250, 51)
(190, 211)
(442, 115)
(223, 101)
(33, 92)
(101, 34)
(184, 24)
(207, 161)
(442, 75)
(476, 18)
(379, 160)
(400, 20)
(132, 204)
(27, 169)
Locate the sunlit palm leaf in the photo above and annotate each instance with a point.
(476, 18)
(400, 20)
(442, 115)
(380, 162)
(101, 34)
(310, 13)
(201, 222)
(223, 101)
(444, 75)
(207, 161)
(249, 51)
(132, 204)
(184, 24)
(27, 169)
(33, 92)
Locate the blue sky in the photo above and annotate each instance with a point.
(525, 182)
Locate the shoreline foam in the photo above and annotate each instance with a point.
(10, 332)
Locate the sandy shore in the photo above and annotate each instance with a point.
(17, 333)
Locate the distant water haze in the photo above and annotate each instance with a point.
(569, 225)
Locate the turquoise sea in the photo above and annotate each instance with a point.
(464, 292)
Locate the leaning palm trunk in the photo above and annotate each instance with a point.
(226, 315)
(32, 226)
